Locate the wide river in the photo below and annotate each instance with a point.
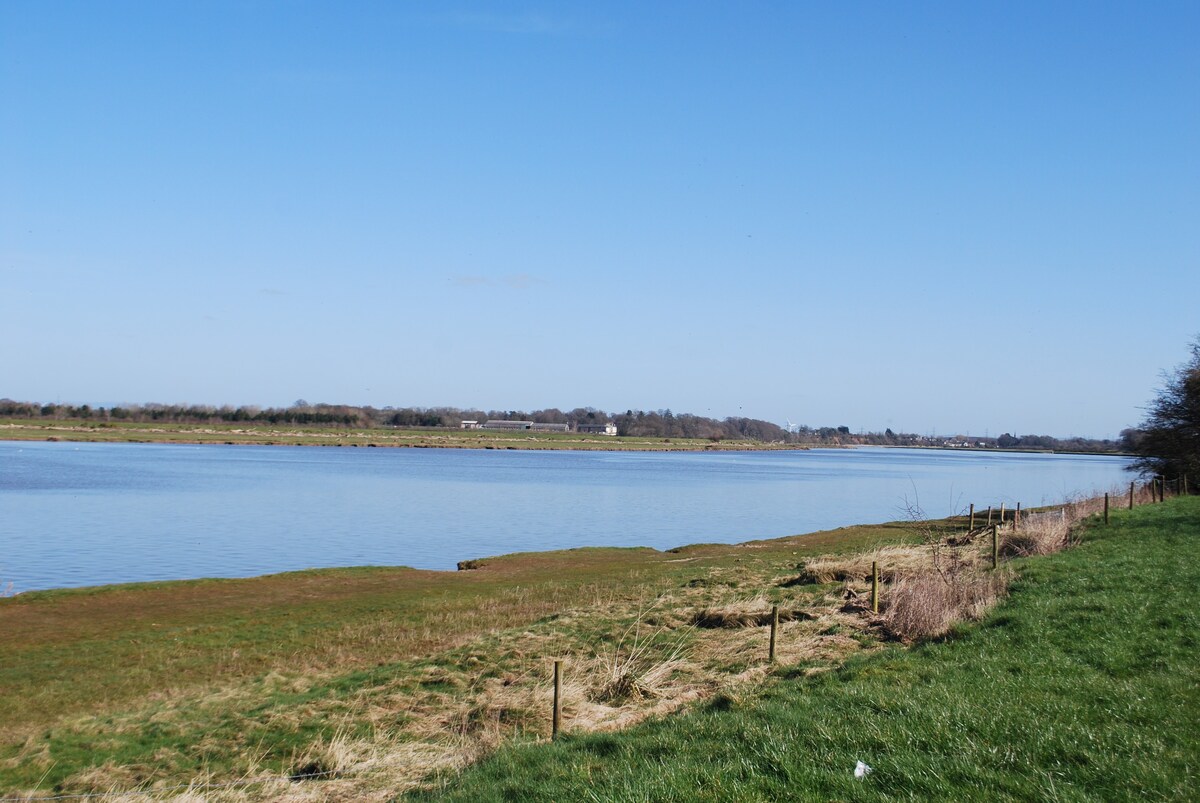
(76, 514)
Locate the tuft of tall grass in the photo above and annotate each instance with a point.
(1039, 534)
(928, 604)
(640, 665)
(330, 758)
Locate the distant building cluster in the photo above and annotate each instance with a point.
(598, 429)
(533, 426)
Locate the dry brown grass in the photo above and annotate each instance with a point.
(958, 584)
(332, 757)
(1038, 534)
(1048, 531)
(856, 568)
(928, 604)
(752, 612)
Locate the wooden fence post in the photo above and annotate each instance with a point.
(774, 627)
(989, 515)
(557, 717)
(971, 520)
(1017, 517)
(874, 586)
(1001, 512)
(1106, 508)
(995, 547)
(1131, 496)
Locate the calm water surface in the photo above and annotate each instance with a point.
(86, 514)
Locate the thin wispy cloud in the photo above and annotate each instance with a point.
(530, 23)
(522, 281)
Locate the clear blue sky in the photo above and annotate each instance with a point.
(935, 217)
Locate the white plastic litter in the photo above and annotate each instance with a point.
(861, 770)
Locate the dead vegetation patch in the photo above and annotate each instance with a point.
(927, 604)
(891, 560)
(755, 612)
(1038, 534)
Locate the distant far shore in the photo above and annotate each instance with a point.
(426, 438)
(411, 438)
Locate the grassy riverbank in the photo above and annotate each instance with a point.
(1084, 685)
(265, 435)
(397, 670)
(378, 680)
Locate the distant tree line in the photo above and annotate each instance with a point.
(639, 423)
(307, 415)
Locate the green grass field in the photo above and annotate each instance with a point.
(1084, 685)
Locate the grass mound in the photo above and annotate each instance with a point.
(1083, 686)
